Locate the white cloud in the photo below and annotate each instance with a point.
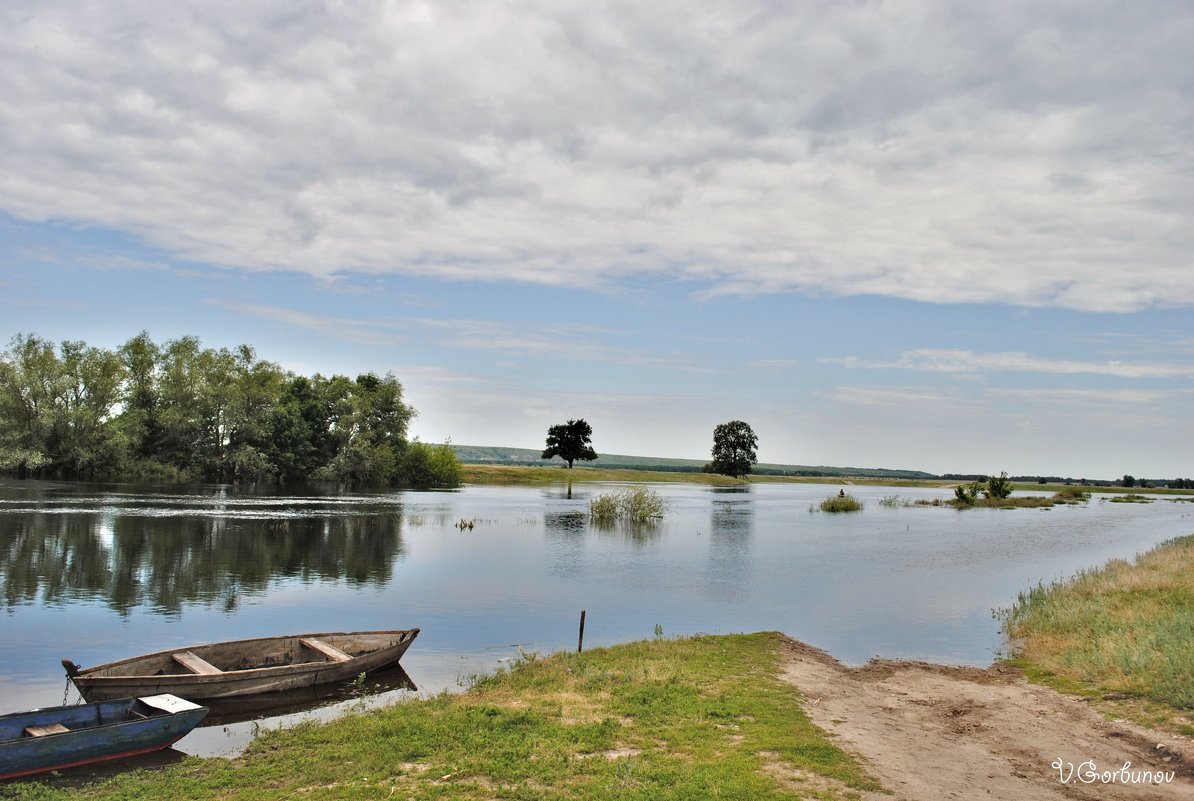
(575, 342)
(966, 361)
(1025, 153)
(357, 331)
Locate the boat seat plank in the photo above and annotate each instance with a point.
(330, 651)
(42, 731)
(195, 664)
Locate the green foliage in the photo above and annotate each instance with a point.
(842, 502)
(424, 466)
(178, 411)
(570, 441)
(998, 487)
(634, 504)
(967, 494)
(734, 446)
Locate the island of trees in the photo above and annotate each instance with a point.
(181, 412)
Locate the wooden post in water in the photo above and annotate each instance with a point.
(580, 643)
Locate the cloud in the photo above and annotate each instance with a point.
(574, 342)
(357, 331)
(1032, 154)
(966, 361)
(897, 397)
(1070, 398)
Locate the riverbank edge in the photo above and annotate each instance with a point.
(526, 474)
(1066, 634)
(703, 716)
(495, 474)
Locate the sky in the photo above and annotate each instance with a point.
(944, 236)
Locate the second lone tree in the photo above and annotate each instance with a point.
(570, 441)
(734, 446)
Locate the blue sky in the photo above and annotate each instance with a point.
(916, 235)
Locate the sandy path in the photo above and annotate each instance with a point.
(930, 732)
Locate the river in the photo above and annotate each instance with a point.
(100, 572)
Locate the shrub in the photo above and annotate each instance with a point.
(424, 465)
(999, 488)
(967, 494)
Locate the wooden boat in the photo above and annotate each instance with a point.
(68, 736)
(244, 667)
(241, 708)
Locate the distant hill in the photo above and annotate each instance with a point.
(490, 454)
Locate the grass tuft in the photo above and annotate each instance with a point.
(634, 504)
(840, 503)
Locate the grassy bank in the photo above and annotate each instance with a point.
(705, 717)
(521, 474)
(549, 474)
(1123, 633)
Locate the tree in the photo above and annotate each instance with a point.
(734, 446)
(570, 441)
(1128, 481)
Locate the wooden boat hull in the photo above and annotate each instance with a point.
(245, 667)
(91, 733)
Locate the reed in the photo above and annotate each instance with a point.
(1124, 629)
(635, 504)
(841, 503)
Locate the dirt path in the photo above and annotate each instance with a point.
(929, 732)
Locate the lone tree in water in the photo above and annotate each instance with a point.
(734, 446)
(570, 441)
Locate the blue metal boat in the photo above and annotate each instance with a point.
(68, 736)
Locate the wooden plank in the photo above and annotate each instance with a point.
(195, 664)
(42, 731)
(330, 651)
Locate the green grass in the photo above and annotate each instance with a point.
(1122, 630)
(1131, 497)
(840, 503)
(548, 474)
(698, 718)
(519, 474)
(1065, 496)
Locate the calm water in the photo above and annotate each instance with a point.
(95, 573)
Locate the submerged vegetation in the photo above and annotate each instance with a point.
(1122, 630)
(180, 412)
(706, 717)
(633, 504)
(1130, 497)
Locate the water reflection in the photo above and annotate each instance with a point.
(228, 711)
(564, 535)
(731, 526)
(164, 562)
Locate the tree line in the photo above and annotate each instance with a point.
(181, 412)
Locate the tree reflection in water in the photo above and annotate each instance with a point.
(165, 562)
